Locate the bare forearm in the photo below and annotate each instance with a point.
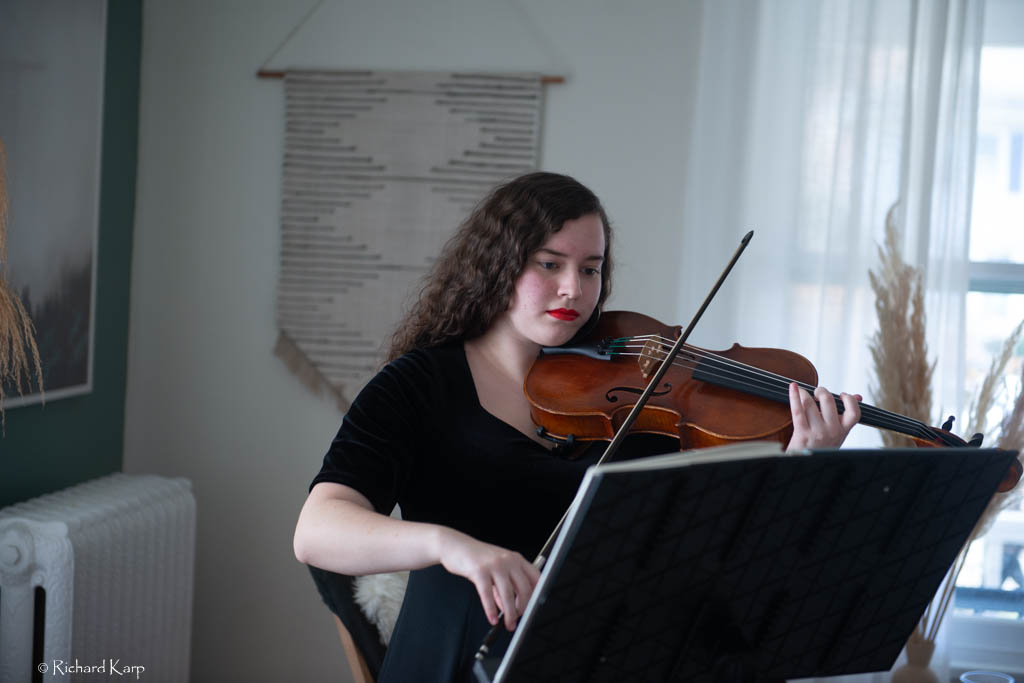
(345, 537)
(339, 530)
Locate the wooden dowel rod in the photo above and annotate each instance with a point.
(267, 73)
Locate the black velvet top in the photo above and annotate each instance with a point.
(417, 435)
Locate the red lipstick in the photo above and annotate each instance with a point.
(564, 313)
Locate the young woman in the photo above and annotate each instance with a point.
(444, 430)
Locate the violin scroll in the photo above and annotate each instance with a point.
(1012, 476)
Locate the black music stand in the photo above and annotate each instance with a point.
(749, 569)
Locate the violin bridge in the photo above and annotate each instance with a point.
(649, 357)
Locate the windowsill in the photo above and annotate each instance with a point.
(986, 643)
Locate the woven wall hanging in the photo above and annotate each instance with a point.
(379, 169)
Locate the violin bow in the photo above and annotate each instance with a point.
(623, 430)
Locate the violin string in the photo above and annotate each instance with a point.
(772, 383)
(870, 415)
(876, 416)
(771, 377)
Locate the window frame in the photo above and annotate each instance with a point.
(995, 277)
(976, 641)
(985, 643)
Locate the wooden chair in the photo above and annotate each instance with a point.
(356, 662)
(359, 637)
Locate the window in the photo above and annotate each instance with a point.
(988, 623)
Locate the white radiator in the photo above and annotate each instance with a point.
(115, 557)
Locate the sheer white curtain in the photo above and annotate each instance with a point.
(812, 118)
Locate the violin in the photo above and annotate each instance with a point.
(707, 398)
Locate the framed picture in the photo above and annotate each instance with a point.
(51, 109)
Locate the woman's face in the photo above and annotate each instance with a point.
(560, 284)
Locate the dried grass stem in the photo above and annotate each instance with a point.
(19, 355)
(899, 349)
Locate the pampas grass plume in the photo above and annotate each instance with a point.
(17, 333)
(1010, 434)
(898, 348)
(904, 377)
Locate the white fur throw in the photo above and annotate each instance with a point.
(380, 598)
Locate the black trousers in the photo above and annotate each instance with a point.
(439, 629)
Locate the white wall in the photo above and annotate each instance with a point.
(206, 397)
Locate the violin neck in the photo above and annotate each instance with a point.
(774, 387)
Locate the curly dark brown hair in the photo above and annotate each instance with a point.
(473, 279)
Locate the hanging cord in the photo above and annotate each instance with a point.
(263, 72)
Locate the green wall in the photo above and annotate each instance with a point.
(71, 440)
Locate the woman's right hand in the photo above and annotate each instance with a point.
(504, 579)
(339, 530)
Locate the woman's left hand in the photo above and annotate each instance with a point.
(820, 427)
